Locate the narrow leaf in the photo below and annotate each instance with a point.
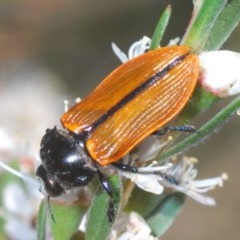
(143, 202)
(67, 219)
(41, 222)
(199, 30)
(165, 213)
(99, 226)
(225, 24)
(160, 28)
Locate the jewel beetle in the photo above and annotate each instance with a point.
(134, 101)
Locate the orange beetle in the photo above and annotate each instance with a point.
(134, 101)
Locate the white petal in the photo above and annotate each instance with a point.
(66, 105)
(139, 47)
(205, 185)
(125, 236)
(147, 182)
(119, 53)
(155, 169)
(205, 200)
(174, 41)
(221, 72)
(136, 229)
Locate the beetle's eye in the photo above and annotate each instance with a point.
(50, 186)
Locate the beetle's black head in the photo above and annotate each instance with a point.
(65, 162)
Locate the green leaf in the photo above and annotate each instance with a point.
(160, 28)
(201, 25)
(227, 20)
(41, 221)
(143, 202)
(165, 213)
(67, 219)
(98, 226)
(7, 178)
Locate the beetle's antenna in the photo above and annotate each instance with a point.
(50, 208)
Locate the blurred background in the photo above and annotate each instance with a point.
(56, 50)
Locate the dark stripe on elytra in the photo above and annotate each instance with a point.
(135, 92)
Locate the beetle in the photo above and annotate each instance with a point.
(134, 101)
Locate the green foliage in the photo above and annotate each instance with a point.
(165, 213)
(99, 226)
(67, 219)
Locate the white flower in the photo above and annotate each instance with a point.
(135, 50)
(220, 72)
(135, 228)
(21, 208)
(180, 177)
(138, 48)
(148, 177)
(23, 121)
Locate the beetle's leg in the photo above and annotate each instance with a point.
(184, 128)
(107, 188)
(125, 167)
(105, 184)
